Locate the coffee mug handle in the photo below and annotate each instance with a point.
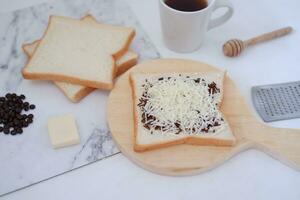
(226, 16)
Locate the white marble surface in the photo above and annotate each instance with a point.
(250, 175)
(29, 158)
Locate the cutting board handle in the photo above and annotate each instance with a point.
(281, 143)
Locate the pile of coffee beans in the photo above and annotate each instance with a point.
(12, 118)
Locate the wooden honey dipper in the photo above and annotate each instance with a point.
(234, 47)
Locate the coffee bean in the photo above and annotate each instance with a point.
(25, 124)
(16, 121)
(22, 96)
(11, 113)
(6, 130)
(29, 120)
(18, 110)
(13, 132)
(19, 130)
(11, 124)
(8, 95)
(32, 106)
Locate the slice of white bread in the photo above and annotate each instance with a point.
(78, 52)
(76, 92)
(168, 100)
(123, 63)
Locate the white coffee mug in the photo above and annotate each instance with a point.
(185, 31)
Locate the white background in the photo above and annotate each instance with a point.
(249, 175)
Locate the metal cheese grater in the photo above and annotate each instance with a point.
(277, 101)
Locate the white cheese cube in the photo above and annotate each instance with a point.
(63, 131)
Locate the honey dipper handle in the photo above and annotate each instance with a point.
(268, 36)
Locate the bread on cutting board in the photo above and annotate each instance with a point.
(177, 108)
(77, 52)
(76, 92)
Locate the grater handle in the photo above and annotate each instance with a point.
(281, 143)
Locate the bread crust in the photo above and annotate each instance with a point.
(24, 46)
(135, 114)
(122, 51)
(186, 140)
(82, 93)
(79, 95)
(125, 66)
(70, 79)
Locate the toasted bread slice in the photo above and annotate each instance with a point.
(76, 92)
(177, 108)
(77, 52)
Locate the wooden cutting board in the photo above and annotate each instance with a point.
(282, 144)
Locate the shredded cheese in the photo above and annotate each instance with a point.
(180, 104)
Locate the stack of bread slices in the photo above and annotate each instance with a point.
(80, 55)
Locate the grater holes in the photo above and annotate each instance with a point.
(277, 101)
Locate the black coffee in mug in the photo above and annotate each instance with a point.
(187, 5)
